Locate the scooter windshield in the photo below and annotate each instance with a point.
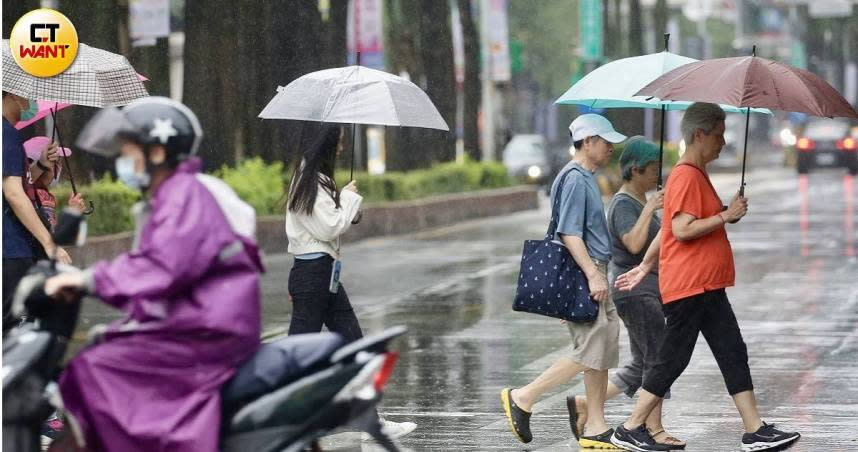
(102, 133)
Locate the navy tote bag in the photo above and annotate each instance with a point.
(550, 283)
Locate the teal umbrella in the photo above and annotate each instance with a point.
(614, 85)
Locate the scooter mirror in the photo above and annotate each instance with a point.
(71, 228)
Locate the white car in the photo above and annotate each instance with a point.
(525, 158)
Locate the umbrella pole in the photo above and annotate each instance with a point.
(56, 131)
(354, 135)
(747, 122)
(661, 149)
(745, 154)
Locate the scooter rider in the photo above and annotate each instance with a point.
(190, 288)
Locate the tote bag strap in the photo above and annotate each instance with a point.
(555, 208)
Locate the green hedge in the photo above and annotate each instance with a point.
(440, 179)
(259, 184)
(112, 201)
(263, 186)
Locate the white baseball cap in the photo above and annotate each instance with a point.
(590, 125)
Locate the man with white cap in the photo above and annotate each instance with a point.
(583, 229)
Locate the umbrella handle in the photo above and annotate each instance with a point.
(90, 209)
(661, 149)
(745, 154)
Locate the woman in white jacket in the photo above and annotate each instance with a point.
(317, 215)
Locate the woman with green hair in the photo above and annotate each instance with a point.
(633, 225)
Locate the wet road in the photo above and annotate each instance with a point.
(796, 299)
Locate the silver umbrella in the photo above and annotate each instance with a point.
(354, 95)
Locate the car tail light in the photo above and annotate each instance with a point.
(386, 370)
(847, 144)
(805, 144)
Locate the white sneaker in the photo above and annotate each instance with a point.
(393, 430)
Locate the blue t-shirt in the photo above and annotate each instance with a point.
(16, 238)
(581, 196)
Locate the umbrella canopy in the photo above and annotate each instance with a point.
(97, 78)
(750, 82)
(615, 84)
(44, 110)
(355, 95)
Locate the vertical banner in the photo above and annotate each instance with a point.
(459, 70)
(850, 83)
(375, 150)
(498, 37)
(458, 42)
(365, 34)
(590, 29)
(148, 20)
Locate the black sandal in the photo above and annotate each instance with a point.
(572, 407)
(679, 446)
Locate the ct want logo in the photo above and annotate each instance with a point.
(44, 42)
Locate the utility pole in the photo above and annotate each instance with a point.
(488, 92)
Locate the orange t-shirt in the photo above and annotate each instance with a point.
(700, 265)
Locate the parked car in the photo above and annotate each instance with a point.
(827, 143)
(526, 158)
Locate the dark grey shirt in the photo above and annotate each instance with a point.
(582, 213)
(623, 213)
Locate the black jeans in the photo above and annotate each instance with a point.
(313, 305)
(711, 314)
(644, 320)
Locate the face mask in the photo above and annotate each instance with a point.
(128, 176)
(30, 112)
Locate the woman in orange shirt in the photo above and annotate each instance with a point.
(695, 266)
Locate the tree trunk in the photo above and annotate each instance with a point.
(208, 91)
(636, 38)
(154, 63)
(292, 55)
(13, 10)
(472, 85)
(617, 30)
(437, 52)
(405, 146)
(335, 35)
(660, 22)
(97, 26)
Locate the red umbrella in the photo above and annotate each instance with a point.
(750, 82)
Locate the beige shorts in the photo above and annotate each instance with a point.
(596, 344)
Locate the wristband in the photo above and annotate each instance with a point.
(42, 167)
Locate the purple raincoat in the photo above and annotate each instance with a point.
(191, 291)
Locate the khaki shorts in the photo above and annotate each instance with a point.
(596, 344)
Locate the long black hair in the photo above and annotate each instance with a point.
(318, 161)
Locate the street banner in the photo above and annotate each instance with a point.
(365, 33)
(148, 20)
(590, 30)
(498, 37)
(829, 9)
(458, 42)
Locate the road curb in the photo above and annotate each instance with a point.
(380, 219)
